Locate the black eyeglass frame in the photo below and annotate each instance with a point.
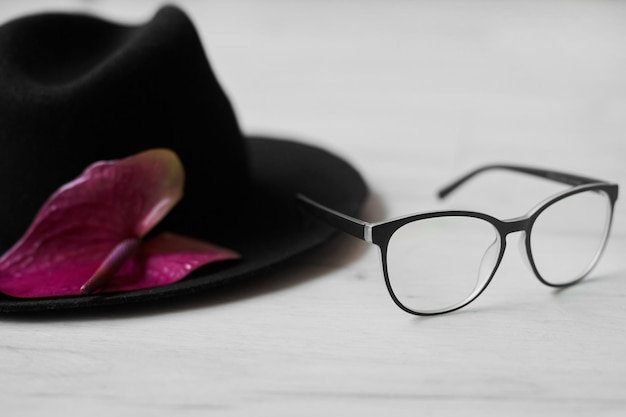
(380, 233)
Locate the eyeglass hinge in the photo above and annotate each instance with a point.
(367, 233)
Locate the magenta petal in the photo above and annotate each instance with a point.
(166, 259)
(81, 223)
(60, 279)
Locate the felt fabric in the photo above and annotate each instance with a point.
(76, 89)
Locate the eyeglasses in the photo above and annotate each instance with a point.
(438, 262)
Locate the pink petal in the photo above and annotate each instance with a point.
(84, 220)
(58, 280)
(166, 259)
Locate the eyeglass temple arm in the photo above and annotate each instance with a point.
(569, 179)
(350, 225)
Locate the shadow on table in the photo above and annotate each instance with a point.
(289, 274)
(591, 294)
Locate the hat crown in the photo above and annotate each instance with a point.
(76, 89)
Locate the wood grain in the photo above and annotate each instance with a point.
(413, 94)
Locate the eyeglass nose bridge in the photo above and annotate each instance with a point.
(518, 224)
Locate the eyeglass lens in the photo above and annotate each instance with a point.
(567, 238)
(438, 264)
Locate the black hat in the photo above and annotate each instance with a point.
(76, 89)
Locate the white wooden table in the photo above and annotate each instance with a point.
(413, 94)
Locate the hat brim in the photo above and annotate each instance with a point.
(271, 232)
